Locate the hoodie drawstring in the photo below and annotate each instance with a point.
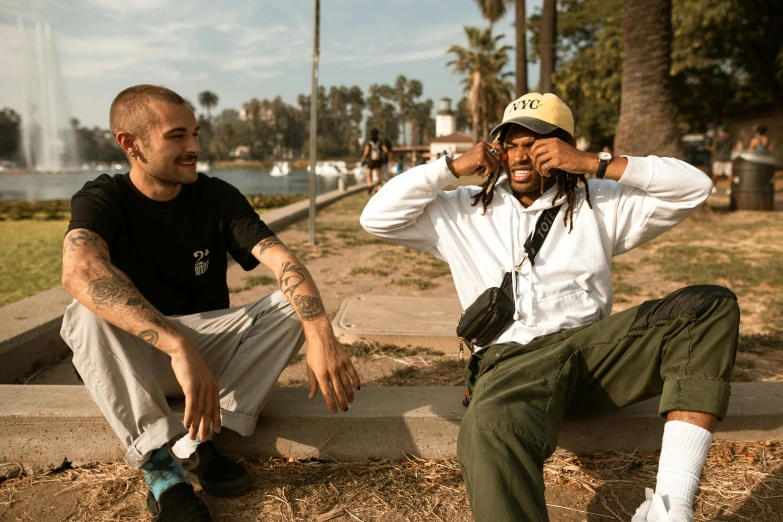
(514, 273)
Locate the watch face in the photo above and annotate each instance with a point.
(604, 156)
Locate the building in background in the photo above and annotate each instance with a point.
(447, 139)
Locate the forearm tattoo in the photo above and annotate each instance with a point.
(111, 290)
(268, 243)
(81, 238)
(292, 276)
(309, 307)
(150, 336)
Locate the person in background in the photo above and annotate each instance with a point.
(372, 156)
(386, 159)
(760, 142)
(721, 148)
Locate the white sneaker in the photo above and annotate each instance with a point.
(654, 509)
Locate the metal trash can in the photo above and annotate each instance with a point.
(753, 182)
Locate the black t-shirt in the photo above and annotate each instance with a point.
(723, 145)
(173, 251)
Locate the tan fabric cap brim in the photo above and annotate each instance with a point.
(536, 125)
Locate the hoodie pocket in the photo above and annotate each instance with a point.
(563, 306)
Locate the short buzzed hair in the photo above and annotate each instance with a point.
(130, 111)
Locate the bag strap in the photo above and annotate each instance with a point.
(506, 286)
(536, 238)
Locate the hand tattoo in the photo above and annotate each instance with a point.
(309, 307)
(268, 243)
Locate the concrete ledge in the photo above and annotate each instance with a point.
(416, 321)
(280, 218)
(30, 333)
(43, 426)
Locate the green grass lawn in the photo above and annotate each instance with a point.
(31, 257)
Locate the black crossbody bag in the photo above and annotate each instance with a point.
(493, 311)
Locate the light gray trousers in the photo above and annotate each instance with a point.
(246, 348)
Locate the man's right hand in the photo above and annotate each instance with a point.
(478, 160)
(202, 400)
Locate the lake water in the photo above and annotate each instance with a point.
(63, 186)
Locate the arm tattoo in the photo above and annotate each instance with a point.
(150, 336)
(291, 277)
(268, 243)
(309, 307)
(82, 237)
(112, 290)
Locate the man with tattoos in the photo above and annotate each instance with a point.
(145, 258)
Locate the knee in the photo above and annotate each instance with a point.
(691, 301)
(697, 298)
(78, 323)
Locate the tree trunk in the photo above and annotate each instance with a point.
(521, 86)
(647, 123)
(547, 44)
(474, 103)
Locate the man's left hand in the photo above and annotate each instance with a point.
(330, 369)
(554, 153)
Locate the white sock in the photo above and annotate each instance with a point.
(683, 454)
(185, 446)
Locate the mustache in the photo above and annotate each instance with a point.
(189, 157)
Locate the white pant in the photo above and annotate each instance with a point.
(246, 348)
(721, 168)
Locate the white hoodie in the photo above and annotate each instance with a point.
(570, 284)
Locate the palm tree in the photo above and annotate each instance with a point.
(647, 124)
(493, 10)
(482, 63)
(405, 94)
(208, 100)
(547, 44)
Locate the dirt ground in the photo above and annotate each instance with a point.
(741, 481)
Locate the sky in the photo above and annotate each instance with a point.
(240, 49)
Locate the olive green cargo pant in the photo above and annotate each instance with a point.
(681, 347)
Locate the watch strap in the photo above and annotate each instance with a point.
(602, 164)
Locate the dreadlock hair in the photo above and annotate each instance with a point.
(566, 182)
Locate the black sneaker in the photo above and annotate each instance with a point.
(216, 475)
(178, 503)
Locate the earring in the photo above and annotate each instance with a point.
(134, 154)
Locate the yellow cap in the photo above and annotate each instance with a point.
(541, 113)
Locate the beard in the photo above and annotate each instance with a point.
(168, 172)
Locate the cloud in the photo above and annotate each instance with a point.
(124, 6)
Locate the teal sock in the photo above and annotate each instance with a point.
(162, 471)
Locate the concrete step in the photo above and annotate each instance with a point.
(44, 426)
(414, 321)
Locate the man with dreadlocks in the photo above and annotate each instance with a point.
(563, 353)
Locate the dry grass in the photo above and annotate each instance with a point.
(741, 482)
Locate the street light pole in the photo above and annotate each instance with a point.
(314, 114)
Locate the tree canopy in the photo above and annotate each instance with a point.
(727, 56)
(482, 63)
